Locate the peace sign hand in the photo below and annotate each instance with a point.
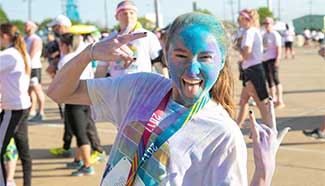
(115, 49)
(266, 142)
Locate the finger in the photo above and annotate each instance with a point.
(282, 134)
(267, 129)
(271, 114)
(253, 126)
(124, 56)
(126, 49)
(130, 37)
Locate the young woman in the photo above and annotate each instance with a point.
(253, 73)
(15, 101)
(174, 131)
(271, 61)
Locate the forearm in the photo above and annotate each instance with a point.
(67, 80)
(245, 53)
(260, 179)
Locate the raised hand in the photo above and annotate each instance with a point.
(266, 142)
(115, 49)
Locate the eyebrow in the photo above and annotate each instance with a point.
(179, 50)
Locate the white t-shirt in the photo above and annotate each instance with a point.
(36, 61)
(271, 40)
(209, 150)
(144, 49)
(289, 35)
(14, 82)
(252, 38)
(88, 72)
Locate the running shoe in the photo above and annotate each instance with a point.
(61, 152)
(316, 133)
(97, 156)
(75, 164)
(37, 117)
(83, 171)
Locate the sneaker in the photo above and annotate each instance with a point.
(75, 164)
(316, 133)
(97, 156)
(83, 171)
(61, 152)
(36, 118)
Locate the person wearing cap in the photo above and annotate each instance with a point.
(271, 61)
(61, 26)
(145, 49)
(34, 47)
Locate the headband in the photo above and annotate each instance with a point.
(126, 7)
(245, 14)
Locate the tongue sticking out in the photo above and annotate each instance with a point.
(191, 89)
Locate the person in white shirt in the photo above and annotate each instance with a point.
(145, 50)
(289, 36)
(271, 61)
(78, 117)
(251, 51)
(34, 47)
(184, 121)
(15, 101)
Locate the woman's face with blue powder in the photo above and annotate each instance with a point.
(194, 60)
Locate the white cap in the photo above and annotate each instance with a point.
(60, 20)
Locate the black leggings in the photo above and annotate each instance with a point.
(91, 133)
(271, 72)
(14, 124)
(78, 117)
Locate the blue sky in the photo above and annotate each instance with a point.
(93, 10)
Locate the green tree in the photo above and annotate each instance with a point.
(264, 12)
(3, 16)
(204, 11)
(43, 24)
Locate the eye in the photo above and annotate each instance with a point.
(180, 55)
(205, 57)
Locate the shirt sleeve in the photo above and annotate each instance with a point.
(111, 97)
(248, 39)
(6, 62)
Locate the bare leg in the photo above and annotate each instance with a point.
(11, 168)
(260, 104)
(33, 110)
(40, 97)
(85, 154)
(279, 91)
(243, 107)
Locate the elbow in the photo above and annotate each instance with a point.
(51, 93)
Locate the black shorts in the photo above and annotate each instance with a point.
(256, 75)
(36, 76)
(288, 44)
(271, 72)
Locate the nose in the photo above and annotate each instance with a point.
(193, 69)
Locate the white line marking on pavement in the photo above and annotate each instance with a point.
(302, 150)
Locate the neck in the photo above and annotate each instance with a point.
(177, 98)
